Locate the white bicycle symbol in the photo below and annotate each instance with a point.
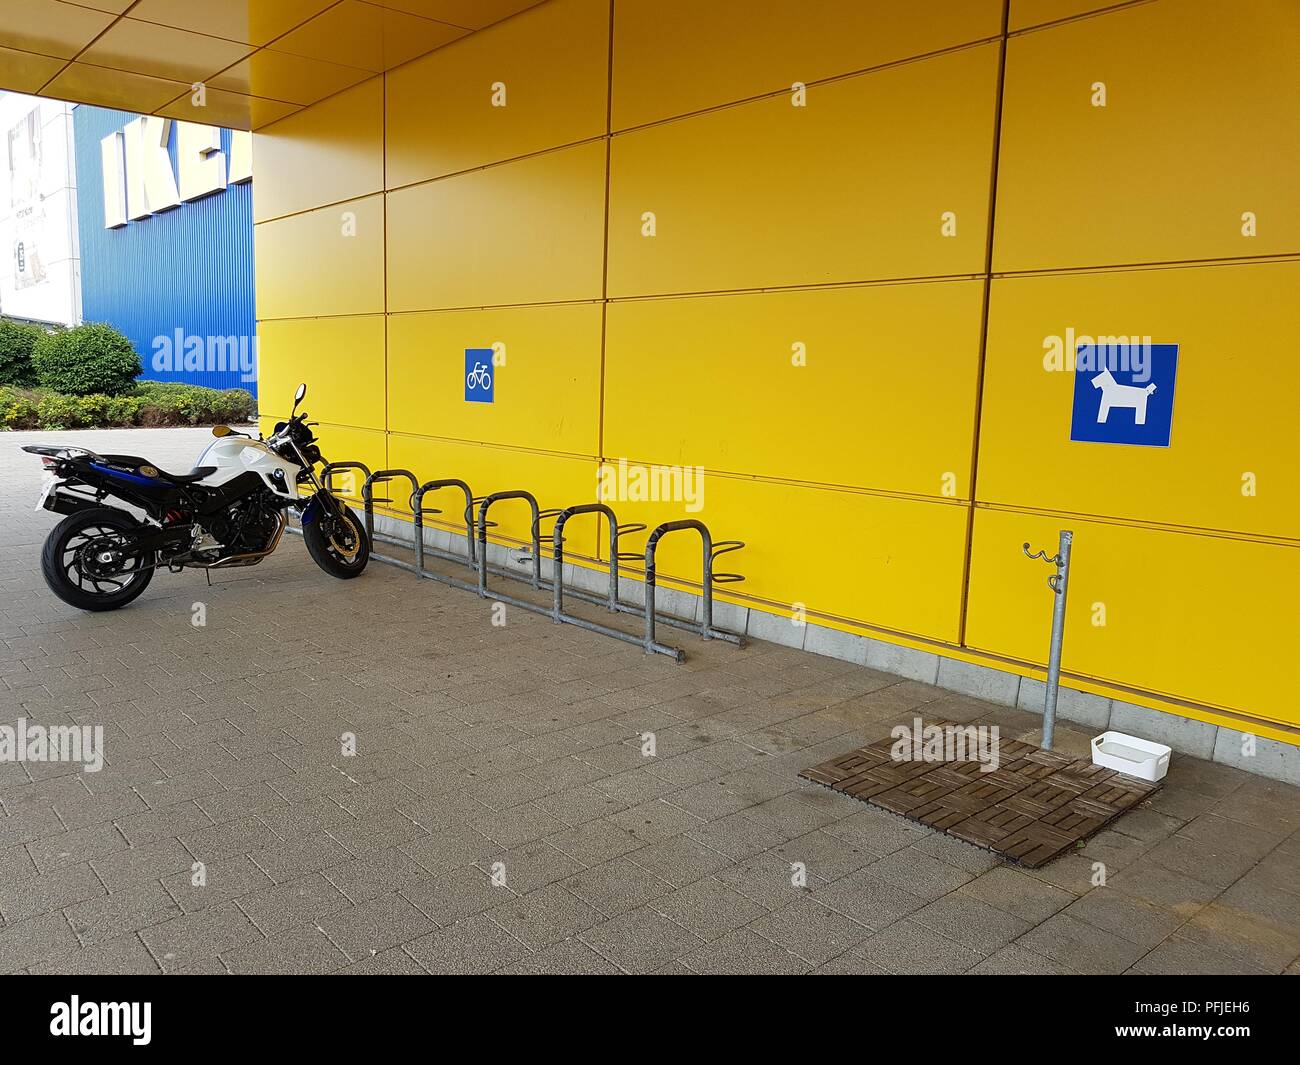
(479, 377)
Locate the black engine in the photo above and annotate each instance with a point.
(245, 526)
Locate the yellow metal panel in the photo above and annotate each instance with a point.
(162, 52)
(339, 142)
(1203, 618)
(362, 35)
(899, 567)
(672, 57)
(1026, 13)
(48, 27)
(1234, 402)
(545, 104)
(854, 186)
(556, 481)
(121, 89)
(1202, 105)
(308, 265)
(340, 359)
(250, 21)
(474, 14)
(889, 407)
(230, 109)
(26, 71)
(546, 393)
(281, 76)
(528, 231)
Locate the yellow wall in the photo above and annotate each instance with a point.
(824, 319)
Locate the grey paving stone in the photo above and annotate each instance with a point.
(708, 908)
(46, 892)
(531, 866)
(813, 931)
(198, 937)
(616, 886)
(218, 882)
(473, 946)
(744, 952)
(380, 872)
(25, 943)
(974, 924)
(640, 941)
(376, 925)
(458, 893)
(546, 916)
(300, 950)
(908, 947)
(1014, 960)
(109, 917)
(868, 900)
(1127, 916)
(392, 962)
(678, 860)
(570, 957)
(275, 907)
(1081, 946)
(123, 956)
(919, 874)
(1179, 956)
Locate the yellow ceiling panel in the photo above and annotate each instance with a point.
(248, 21)
(105, 87)
(362, 35)
(231, 109)
(113, 7)
(473, 14)
(163, 52)
(26, 71)
(49, 27)
(281, 76)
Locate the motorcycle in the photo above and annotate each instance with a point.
(230, 510)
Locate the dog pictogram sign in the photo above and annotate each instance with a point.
(1124, 394)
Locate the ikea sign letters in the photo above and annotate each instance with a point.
(138, 176)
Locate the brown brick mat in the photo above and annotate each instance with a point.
(1032, 807)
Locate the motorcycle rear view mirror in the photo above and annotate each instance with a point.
(298, 396)
(221, 430)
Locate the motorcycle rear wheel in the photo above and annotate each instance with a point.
(72, 568)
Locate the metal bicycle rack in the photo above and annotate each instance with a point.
(711, 552)
(477, 524)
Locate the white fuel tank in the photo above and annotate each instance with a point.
(235, 455)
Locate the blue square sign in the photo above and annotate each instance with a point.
(1124, 394)
(480, 375)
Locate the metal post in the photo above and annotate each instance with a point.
(1059, 583)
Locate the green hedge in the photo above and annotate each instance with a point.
(87, 360)
(152, 403)
(17, 339)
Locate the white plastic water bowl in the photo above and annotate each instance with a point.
(1131, 755)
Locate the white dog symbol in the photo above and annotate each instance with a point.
(1114, 394)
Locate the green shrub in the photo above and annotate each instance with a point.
(172, 403)
(152, 403)
(17, 410)
(85, 360)
(16, 343)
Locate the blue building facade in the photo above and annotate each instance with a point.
(179, 282)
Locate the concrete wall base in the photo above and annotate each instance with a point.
(1218, 743)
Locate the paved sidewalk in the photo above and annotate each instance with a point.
(517, 750)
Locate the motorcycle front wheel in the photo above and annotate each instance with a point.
(337, 542)
(89, 562)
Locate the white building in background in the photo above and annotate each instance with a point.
(40, 267)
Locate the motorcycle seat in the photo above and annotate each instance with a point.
(196, 474)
